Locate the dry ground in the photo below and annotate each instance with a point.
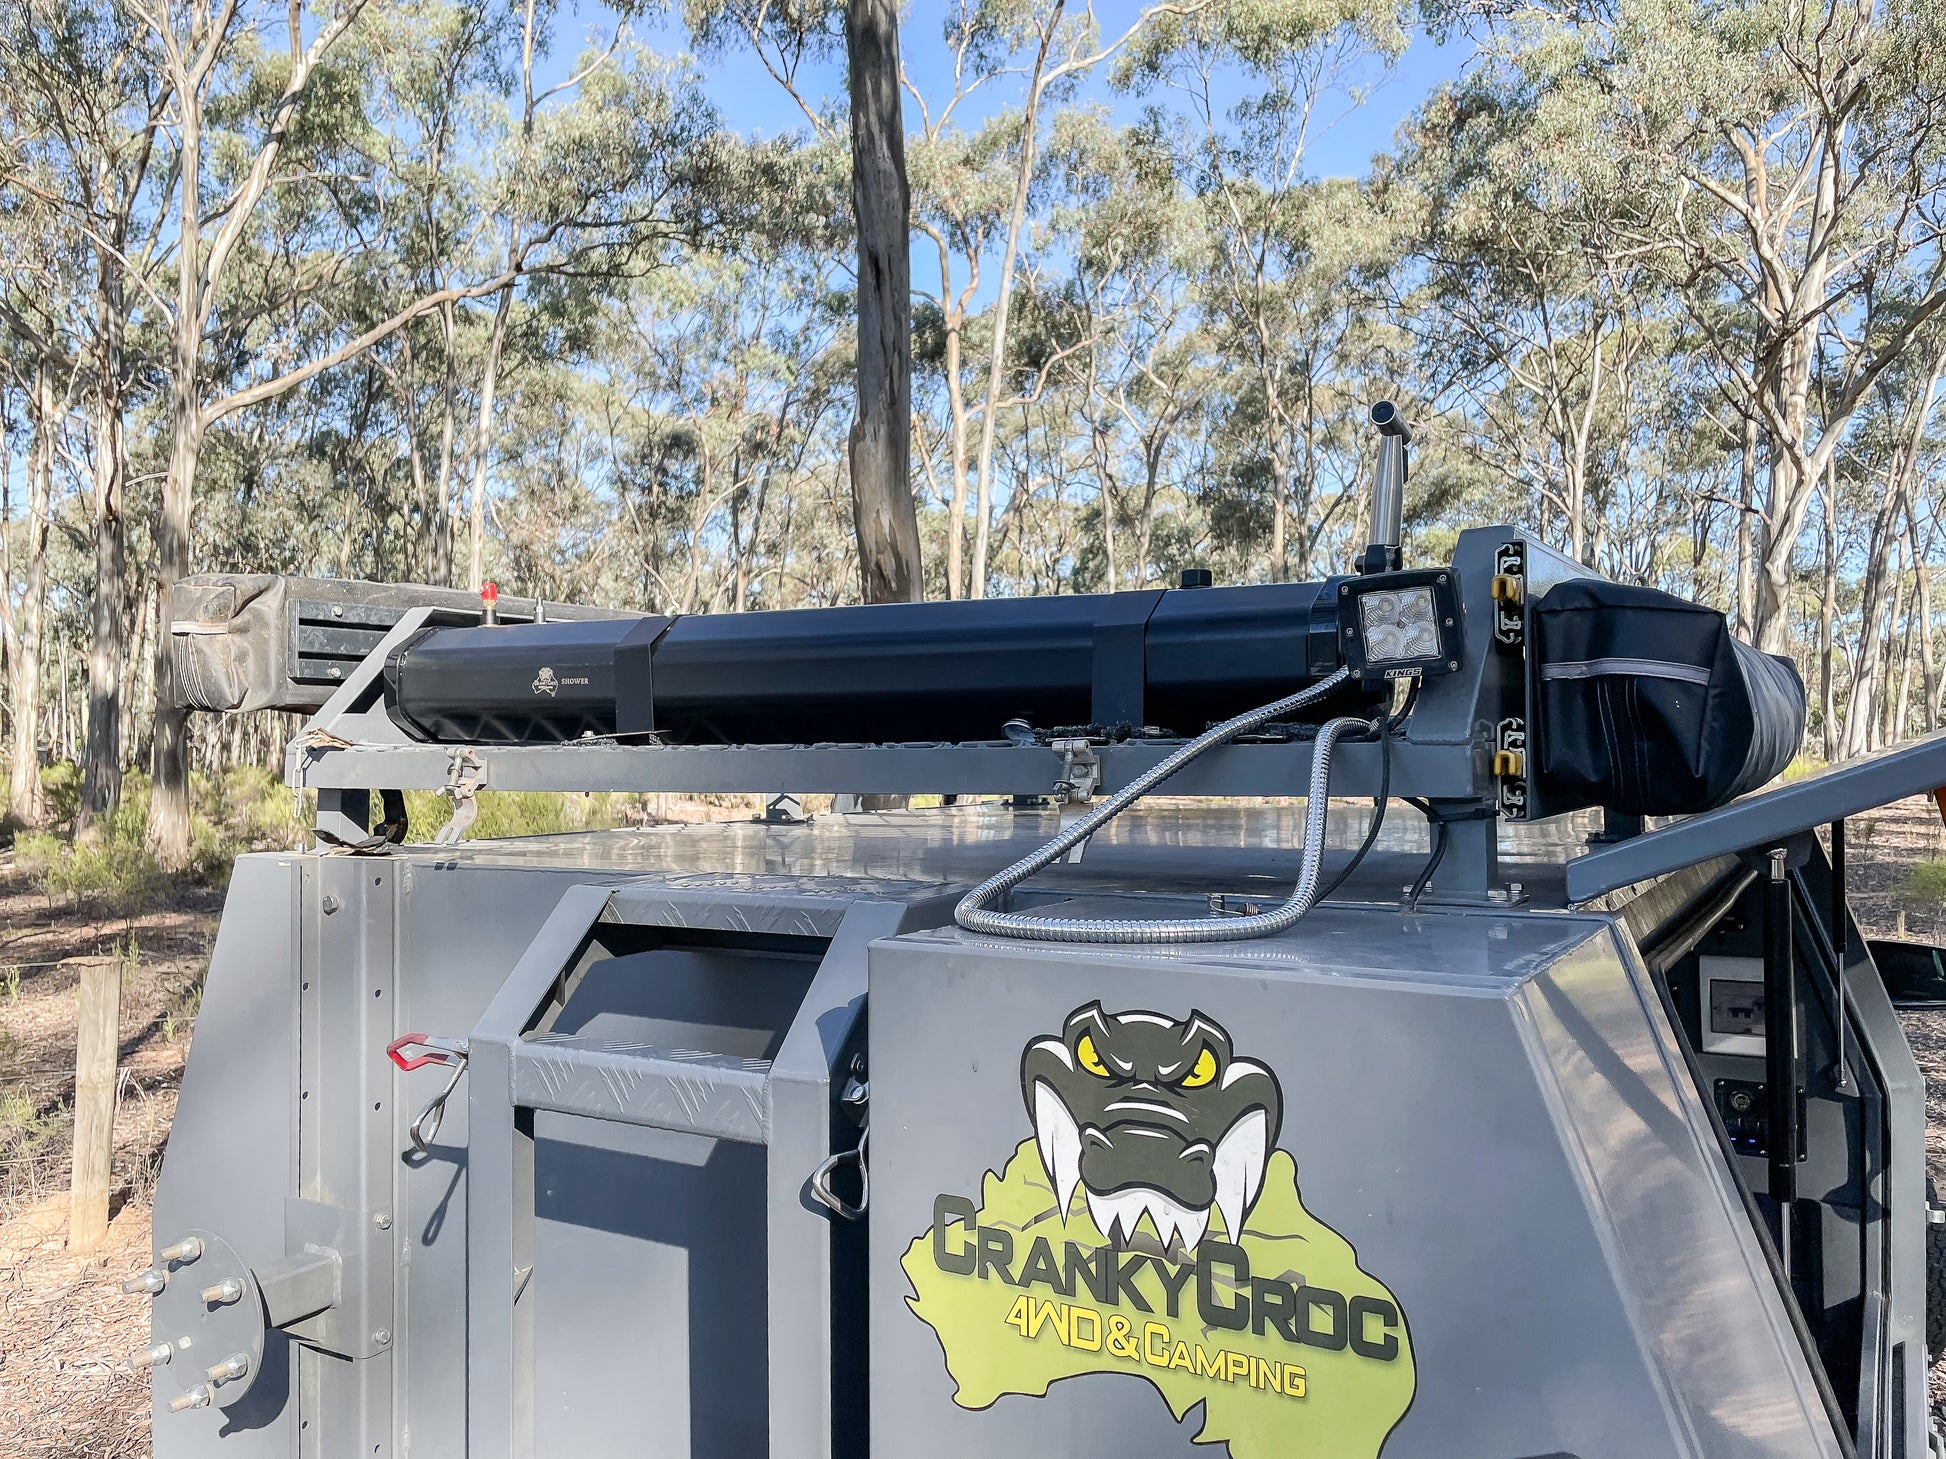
(65, 1327)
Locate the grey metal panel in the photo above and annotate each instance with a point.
(667, 1089)
(1849, 788)
(1904, 1175)
(463, 915)
(1689, 1264)
(1451, 710)
(461, 929)
(647, 1293)
(232, 1150)
(784, 915)
(500, 1193)
(347, 989)
(806, 1362)
(1486, 1106)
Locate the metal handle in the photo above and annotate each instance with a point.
(821, 1181)
(448, 1053)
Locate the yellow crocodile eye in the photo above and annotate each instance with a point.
(1203, 1071)
(1090, 1060)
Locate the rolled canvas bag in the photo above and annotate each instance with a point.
(1648, 706)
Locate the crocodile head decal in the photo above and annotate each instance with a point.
(1151, 1116)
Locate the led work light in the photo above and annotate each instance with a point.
(1399, 625)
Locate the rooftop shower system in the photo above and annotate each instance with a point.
(1386, 1015)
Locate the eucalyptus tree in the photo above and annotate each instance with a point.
(1280, 247)
(785, 37)
(1144, 368)
(1787, 188)
(1891, 457)
(594, 188)
(82, 91)
(1060, 49)
(1535, 305)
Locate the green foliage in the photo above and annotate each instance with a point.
(182, 1010)
(25, 1128)
(112, 864)
(61, 784)
(1550, 271)
(244, 808)
(525, 813)
(1925, 882)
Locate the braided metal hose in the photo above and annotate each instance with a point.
(975, 915)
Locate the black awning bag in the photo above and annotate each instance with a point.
(1646, 705)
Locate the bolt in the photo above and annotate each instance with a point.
(234, 1366)
(152, 1357)
(382, 1337)
(383, 1220)
(331, 904)
(227, 1290)
(150, 1281)
(185, 1250)
(198, 1397)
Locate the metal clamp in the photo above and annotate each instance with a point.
(449, 1053)
(1080, 769)
(465, 774)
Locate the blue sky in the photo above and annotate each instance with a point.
(754, 104)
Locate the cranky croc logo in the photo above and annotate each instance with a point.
(1150, 1225)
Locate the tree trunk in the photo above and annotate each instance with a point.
(24, 784)
(997, 366)
(1105, 496)
(883, 512)
(1862, 712)
(1746, 548)
(1790, 495)
(1827, 619)
(442, 573)
(167, 832)
(956, 409)
(1280, 550)
(168, 829)
(483, 441)
(1928, 666)
(101, 761)
(1901, 713)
